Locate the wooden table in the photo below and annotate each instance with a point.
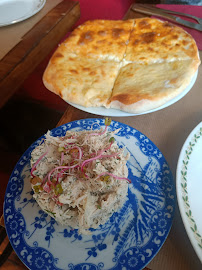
(168, 129)
(18, 64)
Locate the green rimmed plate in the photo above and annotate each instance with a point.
(189, 187)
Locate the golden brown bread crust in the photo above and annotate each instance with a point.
(100, 39)
(150, 86)
(86, 82)
(153, 41)
(110, 63)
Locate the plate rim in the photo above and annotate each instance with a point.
(187, 218)
(162, 157)
(26, 16)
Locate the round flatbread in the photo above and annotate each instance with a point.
(135, 65)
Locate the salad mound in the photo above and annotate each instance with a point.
(80, 179)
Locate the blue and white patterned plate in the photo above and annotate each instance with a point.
(131, 237)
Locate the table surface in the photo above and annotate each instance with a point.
(35, 45)
(168, 129)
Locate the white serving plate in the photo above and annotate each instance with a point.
(189, 187)
(14, 11)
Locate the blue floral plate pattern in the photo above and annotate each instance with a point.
(130, 238)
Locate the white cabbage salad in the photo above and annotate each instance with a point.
(80, 179)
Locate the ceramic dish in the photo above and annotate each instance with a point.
(189, 187)
(130, 238)
(118, 113)
(13, 11)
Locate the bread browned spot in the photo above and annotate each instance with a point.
(148, 37)
(117, 32)
(102, 33)
(58, 55)
(73, 71)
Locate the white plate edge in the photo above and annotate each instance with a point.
(29, 15)
(179, 194)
